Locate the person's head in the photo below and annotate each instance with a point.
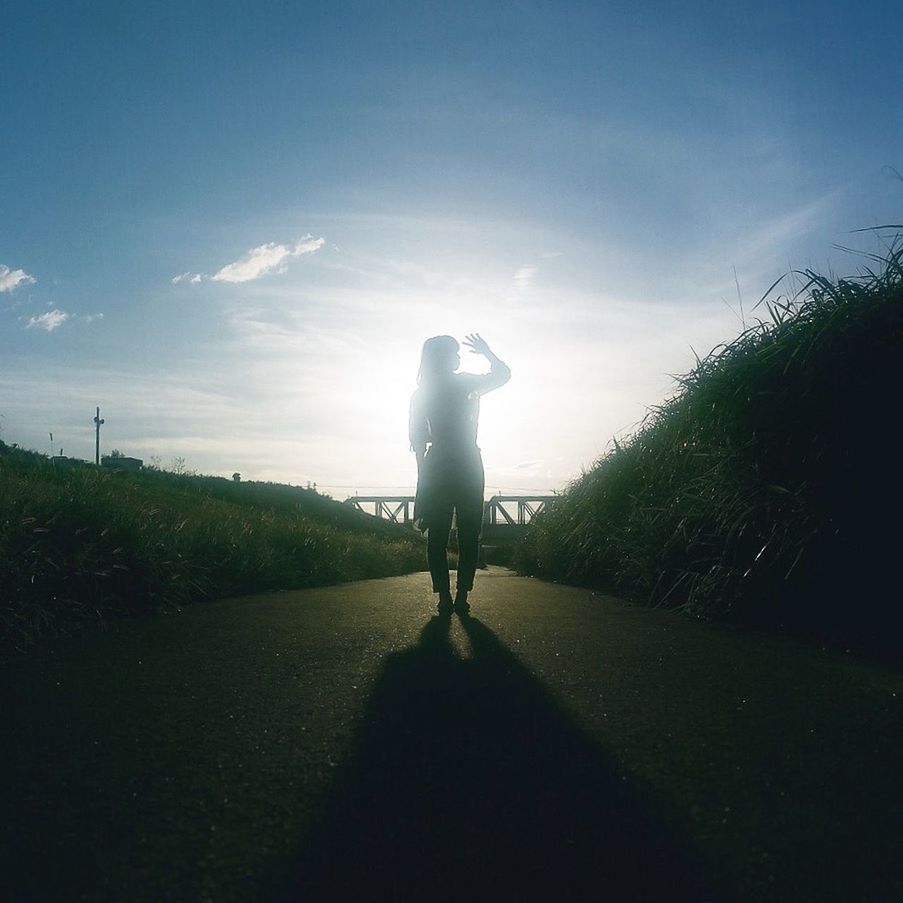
(439, 358)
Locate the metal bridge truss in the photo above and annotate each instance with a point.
(500, 511)
(396, 508)
(496, 514)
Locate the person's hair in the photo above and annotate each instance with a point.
(436, 358)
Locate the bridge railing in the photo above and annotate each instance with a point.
(396, 508)
(499, 511)
(513, 510)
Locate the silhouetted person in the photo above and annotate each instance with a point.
(445, 411)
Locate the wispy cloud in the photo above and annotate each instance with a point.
(48, 321)
(266, 259)
(259, 261)
(777, 232)
(10, 279)
(524, 276)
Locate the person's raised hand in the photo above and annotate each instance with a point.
(477, 344)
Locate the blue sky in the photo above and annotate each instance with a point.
(586, 184)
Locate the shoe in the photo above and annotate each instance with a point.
(445, 603)
(461, 605)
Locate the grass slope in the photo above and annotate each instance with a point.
(84, 544)
(762, 489)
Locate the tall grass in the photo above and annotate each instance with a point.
(765, 487)
(85, 544)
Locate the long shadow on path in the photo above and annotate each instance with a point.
(469, 780)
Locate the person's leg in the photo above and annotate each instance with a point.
(469, 512)
(470, 522)
(437, 549)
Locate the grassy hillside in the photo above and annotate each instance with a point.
(768, 488)
(81, 544)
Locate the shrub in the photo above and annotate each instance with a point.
(84, 544)
(759, 491)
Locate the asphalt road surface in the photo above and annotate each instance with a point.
(346, 743)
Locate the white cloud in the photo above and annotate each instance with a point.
(89, 318)
(49, 321)
(265, 259)
(193, 278)
(524, 276)
(257, 262)
(308, 245)
(10, 279)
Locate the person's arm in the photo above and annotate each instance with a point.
(418, 431)
(499, 372)
(419, 455)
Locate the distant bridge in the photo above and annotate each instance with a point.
(504, 516)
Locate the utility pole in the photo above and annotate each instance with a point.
(97, 424)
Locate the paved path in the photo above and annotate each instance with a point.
(343, 741)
